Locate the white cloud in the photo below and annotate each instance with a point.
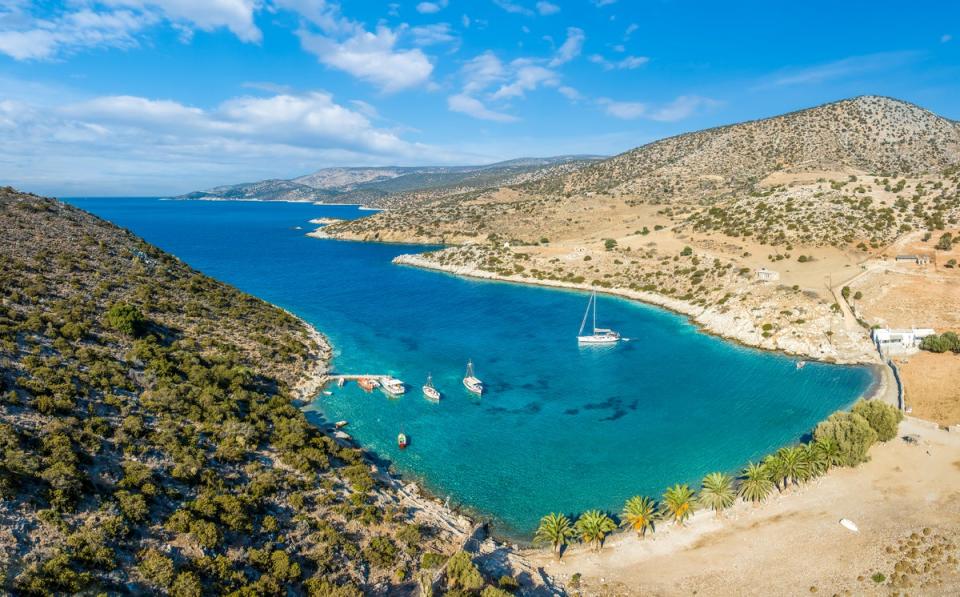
(602, 3)
(631, 29)
(513, 7)
(26, 34)
(465, 20)
(471, 106)
(570, 93)
(680, 108)
(527, 77)
(547, 8)
(623, 110)
(482, 71)
(372, 57)
(853, 66)
(571, 47)
(437, 33)
(431, 7)
(945, 38)
(626, 63)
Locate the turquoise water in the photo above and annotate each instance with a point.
(561, 428)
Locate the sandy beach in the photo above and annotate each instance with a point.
(793, 544)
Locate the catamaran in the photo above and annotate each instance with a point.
(471, 382)
(429, 391)
(392, 386)
(599, 335)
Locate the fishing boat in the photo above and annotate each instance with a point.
(471, 382)
(393, 386)
(599, 335)
(367, 383)
(402, 440)
(429, 391)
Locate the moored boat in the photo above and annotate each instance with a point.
(340, 424)
(599, 335)
(393, 386)
(402, 440)
(471, 382)
(429, 391)
(367, 383)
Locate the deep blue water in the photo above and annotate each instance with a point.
(561, 428)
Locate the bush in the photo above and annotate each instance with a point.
(610, 244)
(381, 552)
(462, 573)
(883, 418)
(156, 567)
(946, 242)
(851, 433)
(187, 584)
(126, 319)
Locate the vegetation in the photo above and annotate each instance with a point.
(554, 530)
(717, 492)
(593, 526)
(149, 440)
(946, 342)
(639, 514)
(678, 503)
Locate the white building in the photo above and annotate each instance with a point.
(767, 275)
(899, 341)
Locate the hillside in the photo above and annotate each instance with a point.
(391, 185)
(819, 196)
(149, 442)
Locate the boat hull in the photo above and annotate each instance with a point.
(473, 386)
(598, 339)
(430, 393)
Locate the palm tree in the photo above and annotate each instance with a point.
(554, 530)
(813, 460)
(773, 464)
(829, 451)
(794, 467)
(678, 502)
(638, 514)
(755, 483)
(717, 492)
(593, 526)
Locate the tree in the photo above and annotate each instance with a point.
(187, 584)
(717, 492)
(793, 466)
(946, 242)
(593, 526)
(127, 319)
(554, 530)
(678, 502)
(883, 418)
(638, 514)
(851, 433)
(755, 483)
(156, 567)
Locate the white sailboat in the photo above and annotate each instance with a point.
(599, 335)
(429, 391)
(471, 382)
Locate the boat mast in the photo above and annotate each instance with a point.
(594, 312)
(585, 315)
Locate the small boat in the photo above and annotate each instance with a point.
(402, 440)
(340, 424)
(599, 335)
(340, 382)
(368, 383)
(801, 365)
(471, 382)
(429, 391)
(393, 386)
(849, 525)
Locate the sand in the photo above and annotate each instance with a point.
(794, 541)
(933, 386)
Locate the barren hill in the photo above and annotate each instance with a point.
(867, 134)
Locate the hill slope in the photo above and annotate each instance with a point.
(373, 186)
(148, 439)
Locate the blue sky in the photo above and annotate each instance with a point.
(147, 97)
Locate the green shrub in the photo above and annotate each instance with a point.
(883, 418)
(156, 567)
(127, 319)
(462, 573)
(852, 434)
(381, 552)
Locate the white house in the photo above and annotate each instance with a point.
(767, 275)
(890, 341)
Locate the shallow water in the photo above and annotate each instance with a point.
(561, 427)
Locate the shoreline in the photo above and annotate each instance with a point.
(693, 313)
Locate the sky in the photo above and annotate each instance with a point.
(161, 97)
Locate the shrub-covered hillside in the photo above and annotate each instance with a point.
(148, 439)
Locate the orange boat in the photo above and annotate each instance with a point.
(367, 383)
